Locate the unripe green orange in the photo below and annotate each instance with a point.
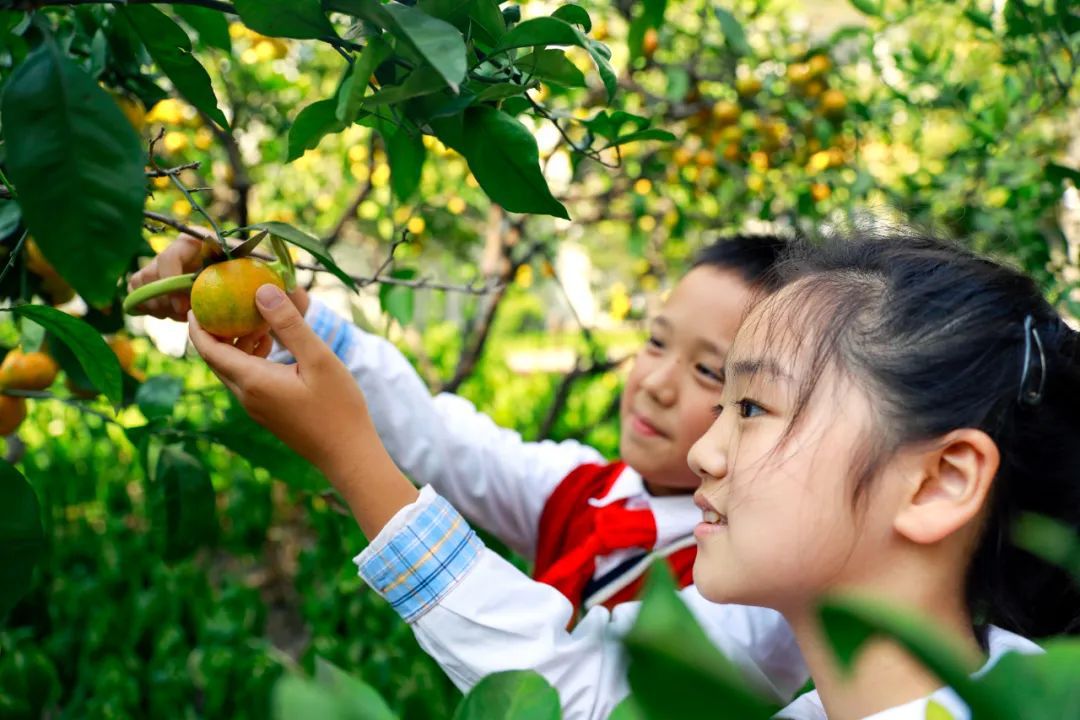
(223, 297)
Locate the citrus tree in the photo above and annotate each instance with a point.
(454, 148)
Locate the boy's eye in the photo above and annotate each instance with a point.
(655, 342)
(749, 409)
(708, 372)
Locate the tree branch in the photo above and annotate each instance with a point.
(562, 393)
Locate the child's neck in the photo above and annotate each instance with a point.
(884, 675)
(663, 490)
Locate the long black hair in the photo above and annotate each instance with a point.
(946, 339)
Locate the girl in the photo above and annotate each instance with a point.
(592, 527)
(885, 418)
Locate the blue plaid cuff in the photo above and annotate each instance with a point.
(422, 559)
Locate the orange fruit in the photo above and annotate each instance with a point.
(747, 86)
(726, 113)
(27, 371)
(833, 103)
(12, 413)
(133, 111)
(55, 288)
(820, 192)
(705, 158)
(650, 42)
(223, 297)
(799, 73)
(125, 354)
(819, 65)
(814, 88)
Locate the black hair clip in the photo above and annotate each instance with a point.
(1031, 395)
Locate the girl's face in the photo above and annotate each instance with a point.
(780, 527)
(675, 382)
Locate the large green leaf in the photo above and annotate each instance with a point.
(421, 81)
(1041, 686)
(850, 622)
(511, 695)
(312, 124)
(97, 360)
(406, 153)
(439, 42)
(211, 25)
(299, 19)
(576, 15)
(503, 156)
(356, 85)
(182, 504)
(542, 31)
(69, 146)
(170, 47)
(733, 31)
(551, 66)
(675, 671)
(157, 396)
(332, 695)
(304, 241)
(21, 536)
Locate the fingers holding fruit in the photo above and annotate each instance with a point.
(184, 255)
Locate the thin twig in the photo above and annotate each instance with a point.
(44, 395)
(14, 255)
(166, 172)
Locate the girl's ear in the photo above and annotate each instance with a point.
(953, 482)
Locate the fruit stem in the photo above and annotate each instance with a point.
(158, 287)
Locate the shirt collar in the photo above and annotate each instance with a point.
(675, 515)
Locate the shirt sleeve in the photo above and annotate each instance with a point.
(491, 474)
(481, 616)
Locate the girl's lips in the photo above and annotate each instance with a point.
(643, 427)
(705, 530)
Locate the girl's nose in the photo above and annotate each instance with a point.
(708, 457)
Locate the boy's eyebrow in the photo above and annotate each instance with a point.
(661, 321)
(753, 367)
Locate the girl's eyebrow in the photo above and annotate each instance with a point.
(753, 367)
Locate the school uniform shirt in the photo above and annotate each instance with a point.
(490, 474)
(476, 614)
(809, 707)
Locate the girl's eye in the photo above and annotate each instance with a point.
(716, 410)
(709, 373)
(749, 409)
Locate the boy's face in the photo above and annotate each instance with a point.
(675, 382)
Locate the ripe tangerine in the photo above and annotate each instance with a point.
(27, 371)
(12, 413)
(223, 297)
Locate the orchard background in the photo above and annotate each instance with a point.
(505, 191)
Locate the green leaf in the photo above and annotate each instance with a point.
(211, 25)
(503, 156)
(439, 42)
(650, 15)
(405, 152)
(542, 31)
(868, 7)
(170, 47)
(182, 504)
(251, 441)
(22, 538)
(357, 696)
(851, 622)
(298, 19)
(628, 709)
(298, 697)
(488, 19)
(575, 15)
(421, 81)
(733, 31)
(1059, 173)
(511, 695)
(10, 216)
(675, 670)
(979, 18)
(304, 241)
(157, 396)
(356, 85)
(1051, 540)
(97, 360)
(312, 124)
(398, 301)
(1040, 686)
(551, 66)
(69, 146)
(31, 335)
(601, 56)
(500, 91)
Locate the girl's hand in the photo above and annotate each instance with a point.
(314, 406)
